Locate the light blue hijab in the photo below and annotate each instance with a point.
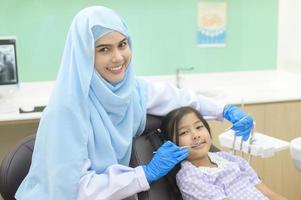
(86, 117)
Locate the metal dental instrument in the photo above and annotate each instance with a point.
(234, 141)
(188, 146)
(252, 139)
(233, 150)
(240, 148)
(241, 141)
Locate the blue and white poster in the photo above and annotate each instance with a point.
(212, 21)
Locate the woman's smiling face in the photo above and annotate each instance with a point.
(112, 56)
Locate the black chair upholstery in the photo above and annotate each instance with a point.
(142, 152)
(15, 166)
(16, 163)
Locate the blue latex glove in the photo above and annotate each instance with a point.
(242, 123)
(166, 158)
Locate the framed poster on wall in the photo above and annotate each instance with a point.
(212, 21)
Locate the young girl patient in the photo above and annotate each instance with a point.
(208, 175)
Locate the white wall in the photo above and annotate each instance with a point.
(289, 35)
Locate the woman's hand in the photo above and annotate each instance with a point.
(242, 123)
(166, 158)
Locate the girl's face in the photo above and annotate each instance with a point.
(112, 56)
(192, 132)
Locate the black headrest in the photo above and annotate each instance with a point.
(15, 166)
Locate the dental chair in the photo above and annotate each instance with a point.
(16, 163)
(142, 152)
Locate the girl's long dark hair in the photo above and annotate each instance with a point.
(169, 131)
(170, 122)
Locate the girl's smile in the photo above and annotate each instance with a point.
(194, 134)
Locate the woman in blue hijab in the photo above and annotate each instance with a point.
(84, 139)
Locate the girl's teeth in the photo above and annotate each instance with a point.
(196, 144)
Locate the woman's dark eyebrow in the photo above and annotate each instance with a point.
(124, 39)
(105, 45)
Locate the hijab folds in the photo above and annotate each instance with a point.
(86, 117)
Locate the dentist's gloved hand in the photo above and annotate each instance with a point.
(166, 158)
(242, 123)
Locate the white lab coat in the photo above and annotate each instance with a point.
(119, 181)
